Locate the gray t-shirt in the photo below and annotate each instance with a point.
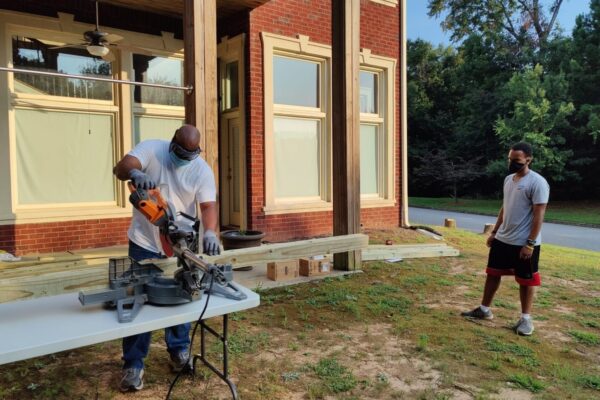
(519, 198)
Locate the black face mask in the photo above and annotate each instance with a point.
(514, 167)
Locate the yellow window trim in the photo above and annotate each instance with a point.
(300, 48)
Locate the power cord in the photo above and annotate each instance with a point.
(212, 279)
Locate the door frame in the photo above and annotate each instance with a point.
(228, 50)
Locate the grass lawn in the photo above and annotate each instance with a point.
(392, 332)
(568, 212)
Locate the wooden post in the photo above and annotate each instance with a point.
(345, 22)
(200, 71)
(450, 223)
(488, 228)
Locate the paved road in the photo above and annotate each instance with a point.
(565, 235)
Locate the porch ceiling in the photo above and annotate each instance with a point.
(225, 8)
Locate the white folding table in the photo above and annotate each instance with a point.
(46, 325)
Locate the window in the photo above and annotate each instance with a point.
(64, 128)
(295, 82)
(40, 55)
(231, 89)
(377, 131)
(297, 126)
(297, 155)
(72, 164)
(160, 70)
(371, 127)
(157, 112)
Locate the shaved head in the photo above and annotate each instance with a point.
(188, 137)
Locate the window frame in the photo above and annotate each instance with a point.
(384, 119)
(65, 29)
(54, 103)
(299, 48)
(151, 110)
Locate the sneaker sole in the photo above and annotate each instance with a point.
(472, 317)
(525, 333)
(133, 388)
(186, 368)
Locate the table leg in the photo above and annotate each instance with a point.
(224, 375)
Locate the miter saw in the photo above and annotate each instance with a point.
(132, 283)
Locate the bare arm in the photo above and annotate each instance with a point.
(499, 221)
(209, 215)
(539, 210)
(123, 167)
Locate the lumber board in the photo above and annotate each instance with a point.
(49, 279)
(70, 256)
(373, 253)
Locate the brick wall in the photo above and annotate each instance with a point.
(61, 236)
(379, 33)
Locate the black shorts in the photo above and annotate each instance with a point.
(504, 260)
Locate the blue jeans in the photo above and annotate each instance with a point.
(135, 348)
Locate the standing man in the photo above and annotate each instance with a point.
(189, 180)
(515, 241)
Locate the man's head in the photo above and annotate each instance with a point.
(185, 145)
(519, 157)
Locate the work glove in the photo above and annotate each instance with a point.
(141, 180)
(210, 243)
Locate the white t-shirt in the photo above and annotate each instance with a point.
(182, 187)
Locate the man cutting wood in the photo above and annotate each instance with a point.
(176, 166)
(516, 238)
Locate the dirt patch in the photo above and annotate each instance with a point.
(512, 394)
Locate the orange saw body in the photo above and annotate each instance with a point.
(156, 209)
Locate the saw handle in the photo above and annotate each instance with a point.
(150, 203)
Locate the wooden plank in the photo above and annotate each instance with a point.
(346, 125)
(285, 251)
(211, 116)
(200, 70)
(66, 257)
(64, 277)
(386, 252)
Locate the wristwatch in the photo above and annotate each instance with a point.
(531, 242)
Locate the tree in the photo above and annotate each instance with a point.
(539, 117)
(447, 172)
(522, 24)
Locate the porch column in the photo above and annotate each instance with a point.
(200, 71)
(346, 125)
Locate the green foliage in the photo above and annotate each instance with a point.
(589, 381)
(538, 119)
(335, 376)
(527, 382)
(512, 76)
(588, 338)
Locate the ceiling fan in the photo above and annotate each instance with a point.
(97, 41)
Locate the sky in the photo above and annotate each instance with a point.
(420, 25)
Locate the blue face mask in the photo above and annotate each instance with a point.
(178, 162)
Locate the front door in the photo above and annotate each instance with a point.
(232, 135)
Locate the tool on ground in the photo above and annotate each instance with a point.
(132, 283)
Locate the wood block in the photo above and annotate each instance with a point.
(309, 267)
(282, 270)
(488, 228)
(450, 223)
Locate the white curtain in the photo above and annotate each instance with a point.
(64, 157)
